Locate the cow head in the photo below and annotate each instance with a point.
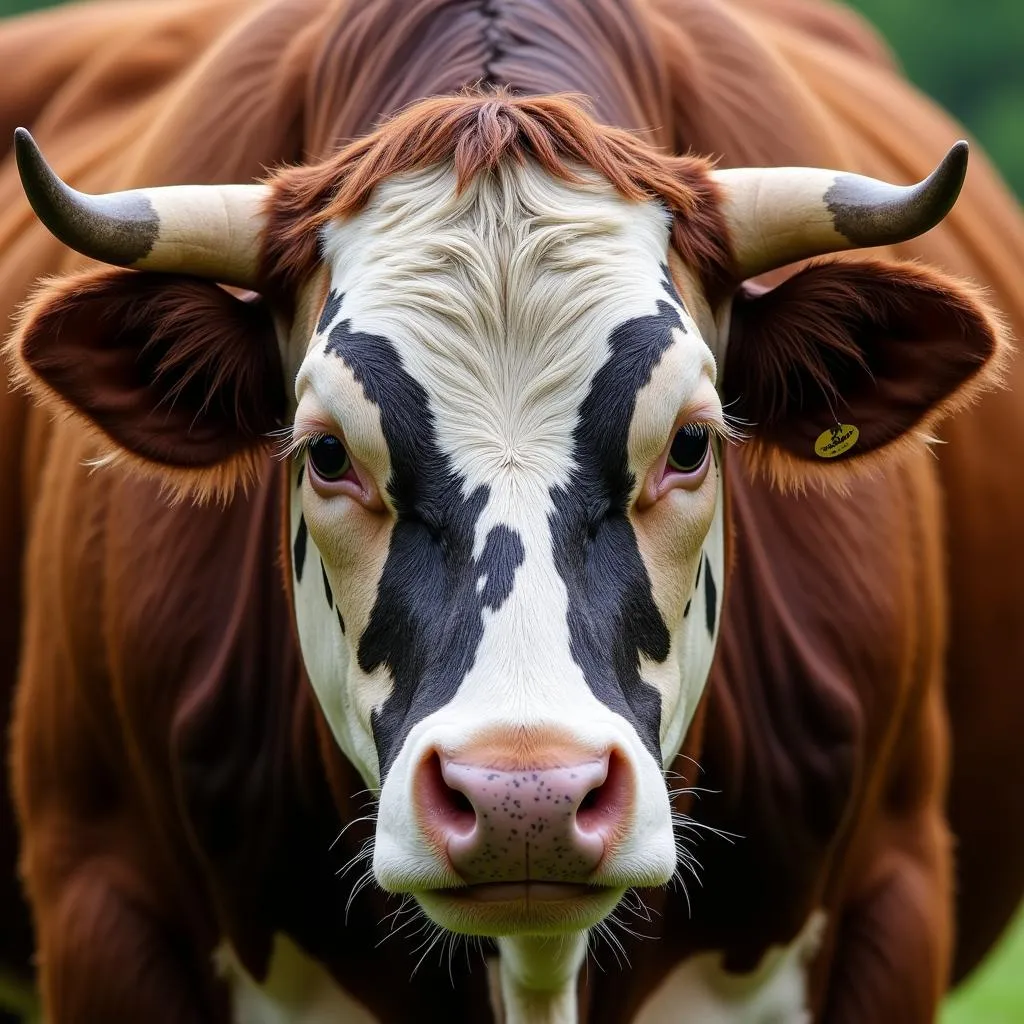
(502, 342)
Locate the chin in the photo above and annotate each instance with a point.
(498, 909)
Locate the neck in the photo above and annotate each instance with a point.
(538, 978)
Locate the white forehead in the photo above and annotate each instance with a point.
(502, 304)
(501, 299)
(495, 240)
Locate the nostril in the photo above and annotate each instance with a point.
(443, 805)
(460, 802)
(605, 805)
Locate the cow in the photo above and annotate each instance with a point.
(425, 512)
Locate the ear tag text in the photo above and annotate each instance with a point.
(836, 440)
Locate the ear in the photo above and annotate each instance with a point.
(177, 375)
(888, 348)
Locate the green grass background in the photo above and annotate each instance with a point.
(993, 994)
(970, 57)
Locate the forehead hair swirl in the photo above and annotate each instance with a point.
(475, 133)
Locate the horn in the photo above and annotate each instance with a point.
(778, 215)
(211, 231)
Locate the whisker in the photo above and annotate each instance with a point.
(397, 928)
(639, 908)
(616, 922)
(677, 877)
(691, 791)
(348, 825)
(685, 757)
(438, 935)
(592, 946)
(366, 850)
(450, 942)
(395, 915)
(618, 950)
(364, 880)
(688, 860)
(425, 926)
(687, 824)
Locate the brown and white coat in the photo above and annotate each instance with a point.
(180, 786)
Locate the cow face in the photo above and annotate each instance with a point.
(507, 537)
(506, 509)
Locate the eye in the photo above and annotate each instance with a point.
(689, 449)
(328, 458)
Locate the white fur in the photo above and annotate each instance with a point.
(353, 558)
(296, 990)
(775, 992)
(538, 978)
(500, 303)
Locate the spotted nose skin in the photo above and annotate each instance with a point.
(552, 824)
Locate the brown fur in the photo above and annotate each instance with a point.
(166, 756)
(158, 359)
(475, 133)
(87, 81)
(891, 348)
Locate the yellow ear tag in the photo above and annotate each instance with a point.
(836, 440)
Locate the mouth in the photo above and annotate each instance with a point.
(526, 892)
(525, 907)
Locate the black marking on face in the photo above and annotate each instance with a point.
(668, 286)
(298, 479)
(502, 554)
(341, 621)
(299, 549)
(331, 308)
(613, 619)
(666, 279)
(710, 598)
(686, 610)
(427, 620)
(328, 593)
(696, 582)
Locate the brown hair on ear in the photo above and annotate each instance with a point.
(175, 376)
(889, 348)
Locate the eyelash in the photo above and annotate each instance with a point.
(722, 432)
(298, 447)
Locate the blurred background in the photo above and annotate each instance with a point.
(969, 57)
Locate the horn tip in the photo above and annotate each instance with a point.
(32, 165)
(948, 178)
(33, 169)
(24, 146)
(119, 229)
(42, 186)
(958, 155)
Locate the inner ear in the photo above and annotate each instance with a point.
(880, 346)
